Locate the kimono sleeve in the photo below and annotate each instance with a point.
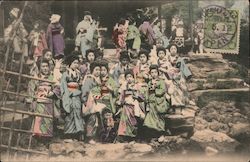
(31, 90)
(66, 101)
(86, 87)
(160, 89)
(184, 68)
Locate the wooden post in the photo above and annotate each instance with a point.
(75, 22)
(159, 15)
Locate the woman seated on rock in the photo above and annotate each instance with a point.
(157, 104)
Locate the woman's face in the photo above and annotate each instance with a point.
(159, 43)
(173, 58)
(143, 58)
(44, 68)
(129, 78)
(154, 73)
(104, 71)
(80, 59)
(74, 65)
(161, 54)
(96, 71)
(48, 55)
(124, 61)
(91, 57)
(173, 49)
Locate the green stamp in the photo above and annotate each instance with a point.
(221, 29)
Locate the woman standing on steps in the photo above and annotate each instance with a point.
(71, 98)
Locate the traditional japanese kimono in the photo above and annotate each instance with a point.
(38, 42)
(130, 109)
(141, 69)
(147, 31)
(84, 69)
(117, 72)
(102, 100)
(157, 105)
(178, 75)
(55, 38)
(84, 39)
(88, 98)
(133, 37)
(108, 97)
(42, 105)
(71, 100)
(164, 64)
(119, 36)
(160, 35)
(20, 44)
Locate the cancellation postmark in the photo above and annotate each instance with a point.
(221, 29)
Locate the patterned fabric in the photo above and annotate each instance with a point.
(43, 105)
(130, 98)
(38, 42)
(71, 100)
(157, 105)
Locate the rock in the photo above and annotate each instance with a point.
(211, 151)
(69, 147)
(161, 139)
(200, 123)
(100, 153)
(217, 140)
(75, 155)
(138, 148)
(57, 149)
(239, 129)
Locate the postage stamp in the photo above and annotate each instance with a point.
(221, 29)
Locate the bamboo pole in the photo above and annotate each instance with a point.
(19, 80)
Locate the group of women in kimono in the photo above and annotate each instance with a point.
(101, 102)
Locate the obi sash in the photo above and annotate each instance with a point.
(72, 86)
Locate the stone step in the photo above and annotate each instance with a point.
(203, 84)
(203, 97)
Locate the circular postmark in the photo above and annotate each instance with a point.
(220, 27)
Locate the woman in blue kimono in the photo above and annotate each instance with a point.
(71, 98)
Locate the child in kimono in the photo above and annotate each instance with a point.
(130, 98)
(142, 66)
(117, 72)
(163, 62)
(55, 32)
(157, 104)
(42, 90)
(71, 98)
(38, 41)
(91, 81)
